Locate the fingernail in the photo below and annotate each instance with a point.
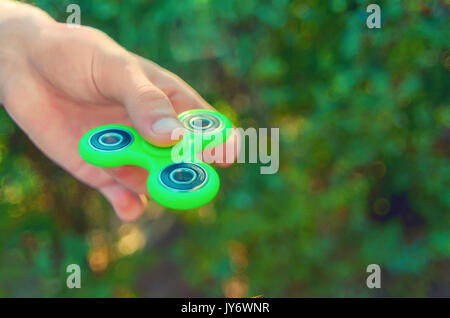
(165, 125)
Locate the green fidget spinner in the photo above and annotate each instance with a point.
(178, 179)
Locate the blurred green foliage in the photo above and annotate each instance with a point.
(364, 166)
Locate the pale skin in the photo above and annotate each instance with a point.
(57, 82)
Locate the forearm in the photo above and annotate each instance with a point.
(19, 24)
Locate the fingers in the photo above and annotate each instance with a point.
(181, 95)
(150, 110)
(132, 177)
(153, 96)
(121, 77)
(128, 205)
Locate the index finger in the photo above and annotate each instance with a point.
(182, 96)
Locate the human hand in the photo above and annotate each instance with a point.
(57, 82)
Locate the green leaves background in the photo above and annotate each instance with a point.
(364, 162)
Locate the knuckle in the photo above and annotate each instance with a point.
(149, 94)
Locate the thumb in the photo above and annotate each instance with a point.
(149, 109)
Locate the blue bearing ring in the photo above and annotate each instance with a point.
(183, 177)
(202, 122)
(110, 139)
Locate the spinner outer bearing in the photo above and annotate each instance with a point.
(96, 142)
(213, 122)
(200, 177)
